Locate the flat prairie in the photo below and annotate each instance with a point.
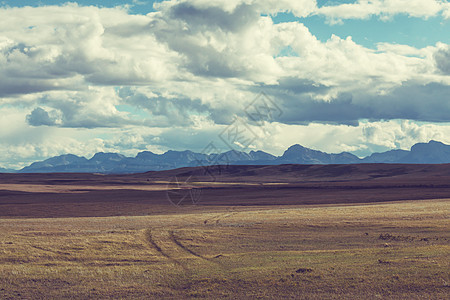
(246, 232)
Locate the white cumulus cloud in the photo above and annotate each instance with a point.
(384, 9)
(80, 79)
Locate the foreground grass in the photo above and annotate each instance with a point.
(396, 250)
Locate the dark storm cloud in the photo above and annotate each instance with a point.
(71, 118)
(176, 111)
(304, 110)
(295, 86)
(442, 58)
(19, 75)
(75, 110)
(40, 117)
(185, 23)
(298, 104)
(204, 60)
(428, 103)
(295, 98)
(214, 17)
(16, 87)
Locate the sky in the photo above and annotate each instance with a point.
(359, 76)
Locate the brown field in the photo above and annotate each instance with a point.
(272, 232)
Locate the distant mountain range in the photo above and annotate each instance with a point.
(3, 170)
(422, 153)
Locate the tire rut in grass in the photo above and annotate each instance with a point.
(176, 241)
(217, 219)
(152, 242)
(57, 252)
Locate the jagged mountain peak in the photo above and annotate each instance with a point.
(64, 159)
(101, 156)
(296, 147)
(145, 155)
(431, 145)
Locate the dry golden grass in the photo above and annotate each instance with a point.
(396, 250)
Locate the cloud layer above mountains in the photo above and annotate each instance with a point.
(105, 79)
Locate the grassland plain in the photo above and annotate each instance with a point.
(396, 250)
